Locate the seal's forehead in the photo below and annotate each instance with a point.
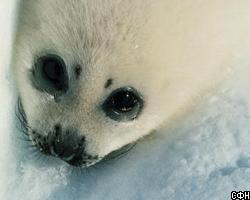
(89, 21)
(88, 31)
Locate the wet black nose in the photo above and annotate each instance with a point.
(67, 145)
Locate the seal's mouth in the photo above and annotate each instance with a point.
(78, 160)
(119, 153)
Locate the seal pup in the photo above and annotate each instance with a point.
(94, 76)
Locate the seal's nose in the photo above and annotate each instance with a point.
(68, 145)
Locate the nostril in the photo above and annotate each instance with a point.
(50, 74)
(81, 142)
(57, 130)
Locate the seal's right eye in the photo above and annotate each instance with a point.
(50, 75)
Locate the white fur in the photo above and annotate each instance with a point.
(170, 51)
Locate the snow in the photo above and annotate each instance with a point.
(205, 155)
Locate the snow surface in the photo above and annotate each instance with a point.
(205, 155)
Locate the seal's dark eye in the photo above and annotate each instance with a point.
(49, 74)
(123, 104)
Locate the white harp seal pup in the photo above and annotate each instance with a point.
(94, 76)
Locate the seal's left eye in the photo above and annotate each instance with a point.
(123, 104)
(50, 74)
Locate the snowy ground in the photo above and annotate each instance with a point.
(205, 155)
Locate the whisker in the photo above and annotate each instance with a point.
(21, 116)
(24, 128)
